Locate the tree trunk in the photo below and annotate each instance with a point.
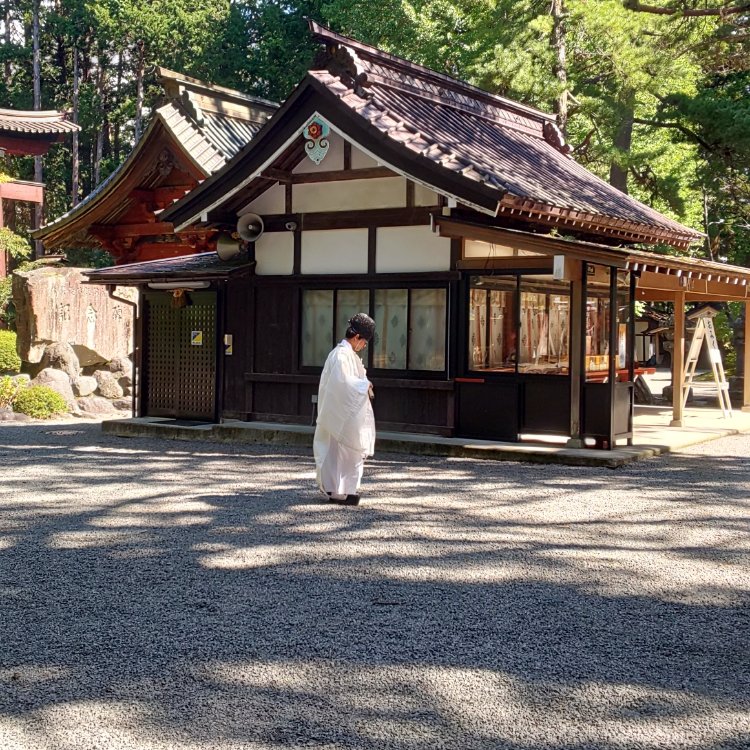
(618, 173)
(8, 70)
(75, 165)
(101, 86)
(37, 85)
(139, 90)
(560, 67)
(118, 90)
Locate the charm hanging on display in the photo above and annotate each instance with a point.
(316, 136)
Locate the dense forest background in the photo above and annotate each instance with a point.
(653, 97)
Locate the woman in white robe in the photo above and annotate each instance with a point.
(345, 430)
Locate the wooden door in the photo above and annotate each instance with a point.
(180, 356)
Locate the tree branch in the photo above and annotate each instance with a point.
(675, 126)
(636, 5)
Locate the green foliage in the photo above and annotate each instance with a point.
(8, 391)
(83, 257)
(12, 243)
(9, 359)
(40, 402)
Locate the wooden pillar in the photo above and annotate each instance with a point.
(613, 354)
(746, 371)
(576, 355)
(678, 359)
(3, 253)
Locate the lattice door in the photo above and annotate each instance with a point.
(180, 356)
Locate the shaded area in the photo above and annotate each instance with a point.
(167, 595)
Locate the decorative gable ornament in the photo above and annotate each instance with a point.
(316, 134)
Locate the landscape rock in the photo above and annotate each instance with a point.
(107, 384)
(121, 367)
(58, 381)
(61, 356)
(123, 404)
(96, 405)
(54, 305)
(84, 385)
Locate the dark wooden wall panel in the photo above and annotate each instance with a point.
(238, 323)
(275, 326)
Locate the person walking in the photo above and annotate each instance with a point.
(345, 428)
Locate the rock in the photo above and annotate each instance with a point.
(96, 405)
(107, 384)
(122, 404)
(61, 356)
(53, 304)
(84, 385)
(121, 366)
(642, 392)
(58, 381)
(127, 388)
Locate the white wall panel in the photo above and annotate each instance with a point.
(423, 196)
(349, 195)
(334, 251)
(274, 254)
(271, 202)
(400, 249)
(360, 160)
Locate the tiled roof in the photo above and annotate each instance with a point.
(202, 266)
(37, 123)
(208, 138)
(481, 137)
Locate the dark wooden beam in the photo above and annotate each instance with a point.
(540, 263)
(147, 229)
(300, 178)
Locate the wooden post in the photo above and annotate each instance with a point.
(576, 356)
(678, 357)
(746, 371)
(613, 354)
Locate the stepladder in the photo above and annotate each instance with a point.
(705, 331)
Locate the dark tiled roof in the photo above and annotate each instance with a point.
(37, 123)
(491, 140)
(203, 266)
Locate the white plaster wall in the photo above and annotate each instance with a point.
(360, 160)
(271, 202)
(349, 195)
(332, 161)
(274, 254)
(334, 251)
(423, 196)
(400, 249)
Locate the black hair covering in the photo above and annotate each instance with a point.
(363, 325)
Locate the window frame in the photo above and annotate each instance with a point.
(371, 288)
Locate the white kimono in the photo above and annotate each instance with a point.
(345, 430)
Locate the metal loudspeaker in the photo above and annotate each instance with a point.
(227, 247)
(250, 227)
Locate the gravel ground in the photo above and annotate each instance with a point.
(168, 595)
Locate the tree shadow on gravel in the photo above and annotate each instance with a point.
(186, 595)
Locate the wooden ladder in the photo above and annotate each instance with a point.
(704, 330)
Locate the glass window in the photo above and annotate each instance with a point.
(492, 330)
(410, 326)
(348, 303)
(392, 329)
(317, 326)
(597, 332)
(427, 313)
(545, 327)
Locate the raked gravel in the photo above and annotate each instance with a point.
(162, 595)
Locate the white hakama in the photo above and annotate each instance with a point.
(345, 430)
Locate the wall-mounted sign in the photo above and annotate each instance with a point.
(228, 344)
(196, 338)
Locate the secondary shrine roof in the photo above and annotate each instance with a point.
(205, 125)
(31, 123)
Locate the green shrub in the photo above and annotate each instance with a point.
(40, 402)
(8, 390)
(9, 360)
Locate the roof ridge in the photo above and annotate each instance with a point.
(324, 34)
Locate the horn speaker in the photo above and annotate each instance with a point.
(250, 227)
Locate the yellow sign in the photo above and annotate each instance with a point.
(196, 338)
(227, 343)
